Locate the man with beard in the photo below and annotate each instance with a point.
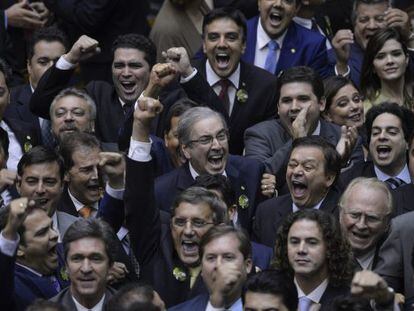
(34, 271)
(133, 57)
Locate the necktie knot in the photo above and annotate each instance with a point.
(85, 211)
(395, 182)
(271, 58)
(273, 45)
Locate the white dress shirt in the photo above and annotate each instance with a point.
(15, 150)
(314, 295)
(404, 174)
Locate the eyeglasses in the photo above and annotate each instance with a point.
(206, 140)
(195, 222)
(370, 219)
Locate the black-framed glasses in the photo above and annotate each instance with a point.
(195, 222)
(206, 140)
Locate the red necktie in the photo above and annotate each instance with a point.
(224, 95)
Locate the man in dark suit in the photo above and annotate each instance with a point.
(28, 245)
(104, 21)
(299, 105)
(389, 128)
(367, 17)
(365, 210)
(225, 262)
(242, 93)
(44, 49)
(203, 136)
(276, 43)
(133, 58)
(89, 254)
(312, 170)
(311, 249)
(21, 135)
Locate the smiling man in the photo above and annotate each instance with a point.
(365, 215)
(275, 42)
(312, 170)
(389, 127)
(312, 250)
(133, 57)
(89, 254)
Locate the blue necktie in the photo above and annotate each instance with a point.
(270, 64)
(304, 303)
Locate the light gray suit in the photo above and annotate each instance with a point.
(395, 256)
(64, 221)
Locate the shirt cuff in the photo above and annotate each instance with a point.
(63, 64)
(8, 247)
(184, 80)
(115, 193)
(140, 151)
(346, 74)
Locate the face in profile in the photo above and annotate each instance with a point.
(346, 107)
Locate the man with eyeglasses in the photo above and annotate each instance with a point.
(365, 209)
(203, 136)
(166, 247)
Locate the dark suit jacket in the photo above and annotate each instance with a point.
(245, 177)
(65, 298)
(403, 199)
(197, 303)
(23, 286)
(271, 214)
(103, 20)
(301, 47)
(331, 292)
(109, 112)
(259, 85)
(270, 143)
(151, 238)
(25, 134)
(362, 169)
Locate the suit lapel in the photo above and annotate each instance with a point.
(66, 204)
(242, 86)
(283, 210)
(251, 39)
(184, 180)
(287, 54)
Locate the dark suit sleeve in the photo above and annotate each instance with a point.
(88, 16)
(142, 217)
(112, 211)
(52, 82)
(6, 282)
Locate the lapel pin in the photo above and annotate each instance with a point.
(292, 50)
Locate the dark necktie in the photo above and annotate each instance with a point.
(127, 108)
(135, 264)
(224, 93)
(395, 182)
(270, 63)
(47, 137)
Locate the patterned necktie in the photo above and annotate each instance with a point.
(304, 303)
(132, 258)
(270, 63)
(224, 94)
(395, 182)
(47, 137)
(85, 211)
(127, 108)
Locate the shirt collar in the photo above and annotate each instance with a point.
(194, 174)
(237, 305)
(304, 22)
(366, 261)
(317, 131)
(295, 208)
(213, 78)
(314, 295)
(78, 204)
(404, 174)
(97, 307)
(55, 225)
(263, 38)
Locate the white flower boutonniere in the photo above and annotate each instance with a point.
(241, 94)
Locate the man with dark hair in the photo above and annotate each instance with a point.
(300, 104)
(313, 167)
(21, 135)
(89, 253)
(311, 249)
(270, 290)
(389, 127)
(276, 43)
(133, 58)
(40, 174)
(225, 254)
(242, 93)
(29, 259)
(44, 49)
(367, 17)
(135, 297)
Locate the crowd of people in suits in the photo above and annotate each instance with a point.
(206, 155)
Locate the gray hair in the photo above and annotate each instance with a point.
(191, 117)
(71, 91)
(372, 183)
(368, 2)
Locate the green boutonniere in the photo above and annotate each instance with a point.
(179, 274)
(27, 144)
(241, 94)
(64, 274)
(243, 201)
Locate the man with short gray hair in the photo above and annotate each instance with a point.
(203, 136)
(365, 215)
